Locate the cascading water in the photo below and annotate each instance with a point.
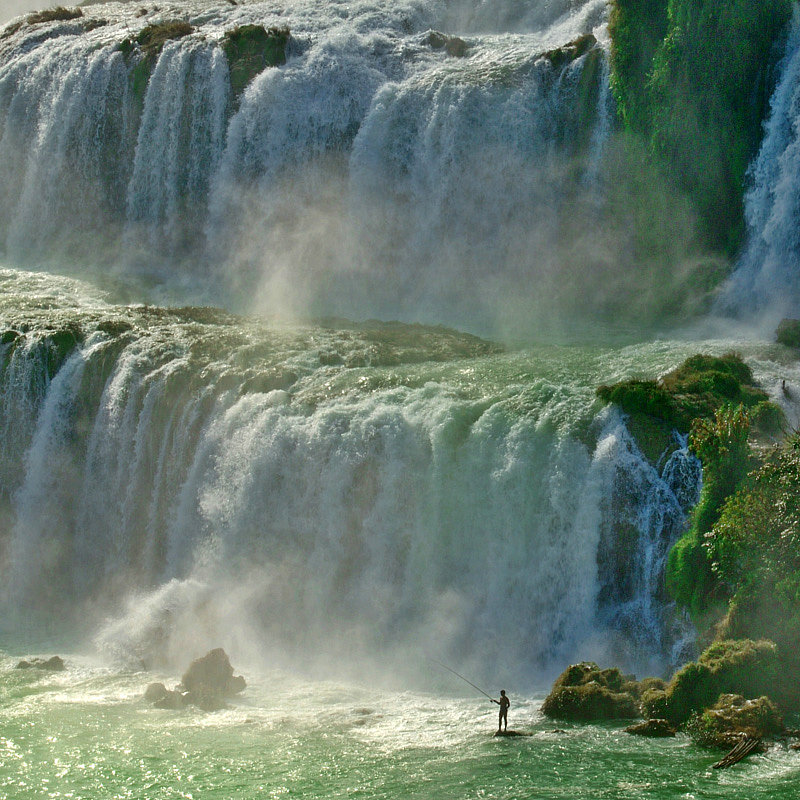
(378, 490)
(767, 279)
(402, 178)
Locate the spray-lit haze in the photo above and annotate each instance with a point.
(13, 8)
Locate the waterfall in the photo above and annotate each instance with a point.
(331, 492)
(767, 276)
(401, 178)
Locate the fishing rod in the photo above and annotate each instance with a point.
(459, 675)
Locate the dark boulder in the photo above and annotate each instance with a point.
(53, 664)
(655, 728)
(173, 701)
(212, 675)
(155, 692)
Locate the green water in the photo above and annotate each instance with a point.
(87, 733)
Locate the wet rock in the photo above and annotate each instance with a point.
(656, 728)
(562, 56)
(173, 701)
(212, 675)
(456, 47)
(452, 45)
(155, 692)
(53, 664)
(584, 692)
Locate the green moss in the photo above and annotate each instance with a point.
(147, 45)
(692, 78)
(695, 389)
(585, 692)
(745, 667)
(250, 49)
(788, 332)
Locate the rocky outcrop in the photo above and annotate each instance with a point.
(213, 674)
(250, 49)
(584, 692)
(452, 45)
(561, 56)
(733, 718)
(744, 667)
(53, 664)
(207, 683)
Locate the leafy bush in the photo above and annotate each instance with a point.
(754, 550)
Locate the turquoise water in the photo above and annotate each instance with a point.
(87, 733)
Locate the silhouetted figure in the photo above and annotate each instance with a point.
(504, 703)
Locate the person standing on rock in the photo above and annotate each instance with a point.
(504, 703)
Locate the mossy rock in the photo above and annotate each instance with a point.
(695, 389)
(733, 717)
(742, 666)
(588, 702)
(57, 14)
(152, 38)
(250, 49)
(788, 332)
(566, 54)
(148, 44)
(584, 692)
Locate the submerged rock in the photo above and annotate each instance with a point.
(655, 728)
(53, 664)
(452, 45)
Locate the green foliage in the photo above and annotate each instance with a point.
(250, 49)
(754, 551)
(744, 667)
(637, 29)
(721, 445)
(692, 78)
(638, 396)
(696, 389)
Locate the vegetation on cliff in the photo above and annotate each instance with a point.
(692, 80)
(250, 49)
